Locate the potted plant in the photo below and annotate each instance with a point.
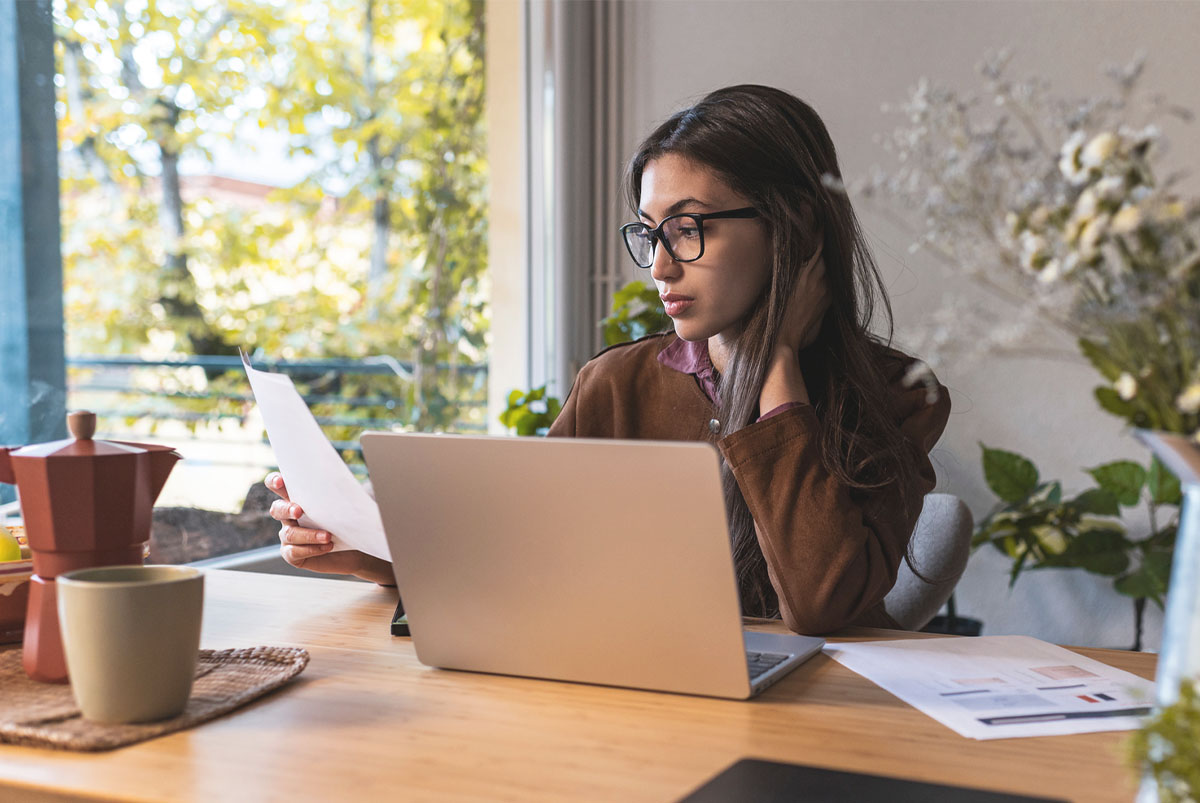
(636, 312)
(1036, 526)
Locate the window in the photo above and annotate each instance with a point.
(307, 181)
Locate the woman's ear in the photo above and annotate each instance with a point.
(816, 254)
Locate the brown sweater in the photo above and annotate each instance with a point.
(832, 551)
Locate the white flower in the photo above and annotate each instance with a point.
(1173, 210)
(1091, 235)
(1068, 160)
(1033, 248)
(1099, 150)
(1141, 136)
(1039, 217)
(1189, 401)
(1110, 188)
(1070, 262)
(1127, 219)
(1050, 272)
(1072, 229)
(1086, 205)
(1126, 386)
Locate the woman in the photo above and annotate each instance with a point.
(759, 260)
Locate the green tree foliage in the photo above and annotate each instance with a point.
(378, 248)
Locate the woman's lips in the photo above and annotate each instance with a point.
(676, 304)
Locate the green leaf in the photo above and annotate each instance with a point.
(1158, 565)
(1163, 485)
(1052, 540)
(1111, 401)
(628, 293)
(1124, 479)
(1017, 566)
(1048, 493)
(1099, 359)
(1103, 549)
(636, 310)
(1137, 584)
(1149, 580)
(1099, 501)
(1163, 539)
(1010, 476)
(530, 412)
(1108, 564)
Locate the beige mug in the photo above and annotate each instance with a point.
(131, 636)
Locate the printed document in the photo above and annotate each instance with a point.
(315, 476)
(998, 687)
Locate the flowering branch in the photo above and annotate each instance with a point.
(1105, 251)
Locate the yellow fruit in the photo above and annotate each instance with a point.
(9, 548)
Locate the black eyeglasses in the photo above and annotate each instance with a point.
(682, 235)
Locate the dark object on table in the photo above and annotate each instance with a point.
(952, 624)
(399, 620)
(752, 780)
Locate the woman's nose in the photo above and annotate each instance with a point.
(664, 267)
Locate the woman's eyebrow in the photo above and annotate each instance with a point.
(676, 207)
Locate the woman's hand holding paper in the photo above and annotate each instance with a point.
(311, 549)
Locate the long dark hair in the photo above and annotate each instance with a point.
(772, 148)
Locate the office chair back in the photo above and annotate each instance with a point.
(941, 544)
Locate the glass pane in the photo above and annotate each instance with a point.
(683, 233)
(303, 180)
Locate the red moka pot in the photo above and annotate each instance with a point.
(84, 503)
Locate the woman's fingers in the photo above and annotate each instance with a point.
(346, 562)
(296, 555)
(312, 549)
(274, 481)
(290, 533)
(283, 510)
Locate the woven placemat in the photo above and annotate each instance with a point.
(45, 715)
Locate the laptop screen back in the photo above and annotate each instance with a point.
(570, 559)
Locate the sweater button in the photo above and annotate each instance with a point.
(714, 426)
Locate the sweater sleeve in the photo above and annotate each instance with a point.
(832, 551)
(566, 425)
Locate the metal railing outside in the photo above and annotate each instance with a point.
(110, 387)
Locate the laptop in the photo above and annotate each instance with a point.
(593, 561)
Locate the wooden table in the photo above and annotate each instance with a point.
(367, 721)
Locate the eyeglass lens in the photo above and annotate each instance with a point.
(682, 234)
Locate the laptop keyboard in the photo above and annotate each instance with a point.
(762, 662)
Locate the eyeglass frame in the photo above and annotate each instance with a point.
(656, 233)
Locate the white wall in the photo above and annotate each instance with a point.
(846, 58)
(508, 358)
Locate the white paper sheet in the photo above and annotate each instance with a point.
(999, 687)
(315, 476)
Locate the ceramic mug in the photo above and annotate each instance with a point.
(131, 635)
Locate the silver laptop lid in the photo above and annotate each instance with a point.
(599, 561)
